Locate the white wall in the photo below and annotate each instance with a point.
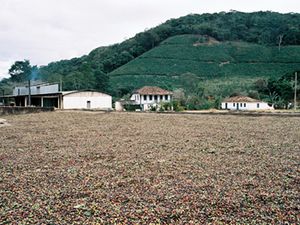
(140, 99)
(119, 107)
(78, 100)
(249, 106)
(136, 98)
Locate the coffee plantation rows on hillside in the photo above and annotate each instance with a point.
(237, 64)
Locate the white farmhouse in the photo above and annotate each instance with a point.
(148, 96)
(245, 103)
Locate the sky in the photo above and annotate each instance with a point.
(44, 31)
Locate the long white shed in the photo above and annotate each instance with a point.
(86, 100)
(245, 103)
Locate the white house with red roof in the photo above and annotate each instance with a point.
(149, 96)
(245, 103)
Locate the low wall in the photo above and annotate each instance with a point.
(6, 110)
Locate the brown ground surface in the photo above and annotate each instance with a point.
(87, 168)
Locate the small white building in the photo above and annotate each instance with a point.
(245, 103)
(149, 96)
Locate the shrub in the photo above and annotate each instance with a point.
(176, 106)
(165, 106)
(129, 107)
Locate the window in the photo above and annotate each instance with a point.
(257, 105)
(150, 97)
(233, 104)
(166, 97)
(145, 97)
(244, 104)
(161, 97)
(226, 105)
(241, 104)
(155, 97)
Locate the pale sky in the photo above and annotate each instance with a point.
(50, 30)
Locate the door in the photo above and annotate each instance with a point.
(88, 104)
(237, 106)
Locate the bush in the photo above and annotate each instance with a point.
(176, 106)
(129, 107)
(165, 106)
(193, 103)
(207, 104)
(153, 108)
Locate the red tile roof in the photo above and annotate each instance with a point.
(241, 99)
(152, 90)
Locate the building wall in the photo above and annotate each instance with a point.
(82, 100)
(119, 107)
(150, 99)
(136, 98)
(246, 106)
(36, 89)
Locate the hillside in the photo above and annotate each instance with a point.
(264, 30)
(221, 66)
(259, 28)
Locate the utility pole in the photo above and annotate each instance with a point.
(60, 84)
(295, 93)
(29, 93)
(3, 97)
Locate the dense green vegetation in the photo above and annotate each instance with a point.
(278, 90)
(21, 71)
(231, 48)
(223, 67)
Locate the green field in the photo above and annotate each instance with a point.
(232, 63)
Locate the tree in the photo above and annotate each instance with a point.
(179, 96)
(20, 71)
(200, 90)
(102, 80)
(189, 82)
(6, 85)
(278, 91)
(148, 39)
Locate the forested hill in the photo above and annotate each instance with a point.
(268, 29)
